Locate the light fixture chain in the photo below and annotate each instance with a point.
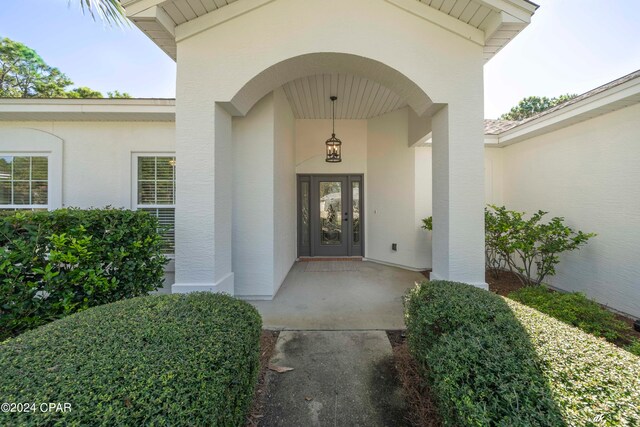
(333, 115)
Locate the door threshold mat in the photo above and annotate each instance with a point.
(329, 266)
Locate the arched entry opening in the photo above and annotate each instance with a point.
(303, 206)
(238, 177)
(328, 63)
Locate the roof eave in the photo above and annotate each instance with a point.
(616, 98)
(509, 18)
(131, 109)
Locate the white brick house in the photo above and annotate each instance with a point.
(237, 161)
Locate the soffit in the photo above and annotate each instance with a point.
(495, 22)
(358, 98)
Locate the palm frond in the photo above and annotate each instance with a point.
(111, 11)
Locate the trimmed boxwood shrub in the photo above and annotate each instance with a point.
(170, 360)
(56, 263)
(479, 362)
(492, 361)
(592, 381)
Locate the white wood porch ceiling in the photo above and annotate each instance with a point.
(358, 98)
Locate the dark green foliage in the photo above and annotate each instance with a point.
(478, 359)
(24, 74)
(118, 94)
(161, 360)
(634, 347)
(575, 309)
(84, 92)
(533, 105)
(55, 263)
(427, 223)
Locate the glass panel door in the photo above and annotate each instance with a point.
(357, 215)
(330, 213)
(355, 211)
(304, 216)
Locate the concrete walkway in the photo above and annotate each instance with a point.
(339, 378)
(347, 296)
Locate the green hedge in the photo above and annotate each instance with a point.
(492, 361)
(170, 360)
(575, 309)
(593, 381)
(56, 263)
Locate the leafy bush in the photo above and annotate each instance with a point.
(178, 360)
(575, 309)
(477, 358)
(530, 248)
(489, 361)
(56, 263)
(495, 231)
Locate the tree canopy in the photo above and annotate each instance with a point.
(532, 105)
(24, 74)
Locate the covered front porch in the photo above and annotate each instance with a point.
(339, 295)
(252, 110)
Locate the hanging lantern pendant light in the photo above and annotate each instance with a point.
(334, 145)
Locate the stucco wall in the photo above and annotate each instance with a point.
(264, 197)
(253, 211)
(391, 193)
(97, 159)
(310, 147)
(285, 216)
(589, 174)
(493, 175)
(97, 156)
(423, 206)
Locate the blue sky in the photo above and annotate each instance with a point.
(571, 46)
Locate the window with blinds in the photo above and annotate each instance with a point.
(156, 194)
(24, 182)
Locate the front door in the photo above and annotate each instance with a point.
(330, 215)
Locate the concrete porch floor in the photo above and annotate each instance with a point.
(368, 298)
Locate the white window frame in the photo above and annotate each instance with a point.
(134, 184)
(50, 192)
(36, 143)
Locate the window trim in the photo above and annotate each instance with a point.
(50, 195)
(34, 142)
(135, 155)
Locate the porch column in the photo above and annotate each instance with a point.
(203, 194)
(458, 194)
